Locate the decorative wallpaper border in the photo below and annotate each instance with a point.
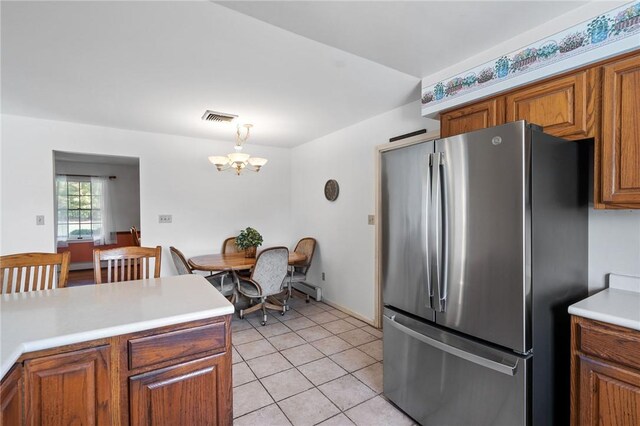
(602, 36)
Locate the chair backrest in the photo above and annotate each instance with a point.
(271, 269)
(126, 263)
(180, 262)
(33, 271)
(135, 235)
(306, 246)
(229, 246)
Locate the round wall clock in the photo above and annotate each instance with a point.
(331, 190)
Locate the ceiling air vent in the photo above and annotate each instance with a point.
(219, 117)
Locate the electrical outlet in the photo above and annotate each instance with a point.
(371, 219)
(323, 276)
(40, 220)
(164, 218)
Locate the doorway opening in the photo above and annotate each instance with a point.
(97, 202)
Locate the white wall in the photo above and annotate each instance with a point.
(614, 244)
(125, 189)
(175, 178)
(345, 240)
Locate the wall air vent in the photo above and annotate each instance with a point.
(219, 117)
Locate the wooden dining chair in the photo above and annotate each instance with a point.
(217, 280)
(135, 235)
(298, 272)
(127, 263)
(229, 246)
(33, 271)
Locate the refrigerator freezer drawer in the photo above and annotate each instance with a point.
(443, 379)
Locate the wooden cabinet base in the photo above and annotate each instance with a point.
(180, 375)
(11, 398)
(69, 388)
(605, 374)
(185, 394)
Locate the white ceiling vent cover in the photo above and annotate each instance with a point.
(220, 117)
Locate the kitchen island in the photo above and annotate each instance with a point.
(154, 351)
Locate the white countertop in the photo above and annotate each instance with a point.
(619, 304)
(45, 319)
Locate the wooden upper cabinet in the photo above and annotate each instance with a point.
(620, 144)
(477, 116)
(69, 388)
(11, 391)
(563, 106)
(191, 393)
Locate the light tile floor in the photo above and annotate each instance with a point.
(315, 365)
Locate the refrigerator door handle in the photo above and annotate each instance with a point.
(436, 229)
(427, 214)
(501, 367)
(444, 233)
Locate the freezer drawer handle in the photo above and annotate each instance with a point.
(507, 369)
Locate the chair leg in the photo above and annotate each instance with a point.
(264, 313)
(249, 310)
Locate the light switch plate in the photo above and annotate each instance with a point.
(371, 219)
(164, 218)
(40, 220)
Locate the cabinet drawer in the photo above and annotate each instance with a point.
(151, 350)
(610, 342)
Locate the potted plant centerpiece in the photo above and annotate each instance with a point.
(249, 240)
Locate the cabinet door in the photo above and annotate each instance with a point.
(563, 107)
(69, 388)
(609, 394)
(11, 401)
(481, 115)
(193, 393)
(620, 165)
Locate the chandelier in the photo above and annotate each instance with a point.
(238, 161)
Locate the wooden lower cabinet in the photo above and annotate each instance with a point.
(605, 376)
(69, 388)
(175, 375)
(185, 394)
(11, 397)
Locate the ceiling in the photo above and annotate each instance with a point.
(296, 70)
(414, 37)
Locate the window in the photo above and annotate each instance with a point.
(79, 208)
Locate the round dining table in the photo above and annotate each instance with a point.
(233, 261)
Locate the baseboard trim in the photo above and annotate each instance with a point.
(79, 266)
(82, 266)
(347, 311)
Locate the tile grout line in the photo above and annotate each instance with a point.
(324, 355)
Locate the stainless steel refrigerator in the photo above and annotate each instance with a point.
(484, 245)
